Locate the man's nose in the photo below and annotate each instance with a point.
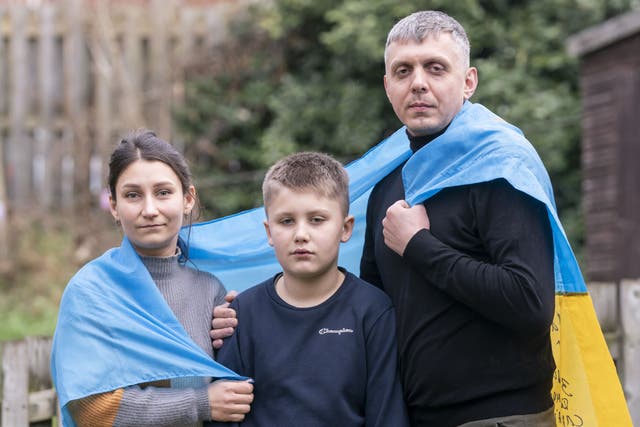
(420, 81)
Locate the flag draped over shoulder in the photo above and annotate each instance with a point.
(236, 250)
(478, 146)
(115, 329)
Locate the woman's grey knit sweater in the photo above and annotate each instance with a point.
(192, 295)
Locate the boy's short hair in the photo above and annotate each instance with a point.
(313, 171)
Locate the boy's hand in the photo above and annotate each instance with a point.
(230, 400)
(224, 321)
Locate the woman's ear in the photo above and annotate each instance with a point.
(189, 199)
(112, 207)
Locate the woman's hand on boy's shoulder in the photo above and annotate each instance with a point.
(224, 321)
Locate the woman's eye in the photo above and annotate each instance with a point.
(131, 195)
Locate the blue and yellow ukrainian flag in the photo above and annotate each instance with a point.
(115, 329)
(478, 146)
(131, 336)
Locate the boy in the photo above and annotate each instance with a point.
(318, 341)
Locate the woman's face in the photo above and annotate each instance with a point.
(150, 204)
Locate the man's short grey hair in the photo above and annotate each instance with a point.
(420, 25)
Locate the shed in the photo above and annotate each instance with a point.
(610, 87)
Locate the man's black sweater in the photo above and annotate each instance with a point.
(474, 298)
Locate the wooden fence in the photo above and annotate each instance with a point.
(76, 74)
(29, 400)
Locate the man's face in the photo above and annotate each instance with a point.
(427, 82)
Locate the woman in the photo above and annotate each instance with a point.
(132, 343)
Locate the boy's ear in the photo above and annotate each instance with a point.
(266, 228)
(347, 228)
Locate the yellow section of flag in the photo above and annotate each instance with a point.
(586, 389)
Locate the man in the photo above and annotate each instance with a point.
(470, 269)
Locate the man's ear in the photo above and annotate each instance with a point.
(470, 82)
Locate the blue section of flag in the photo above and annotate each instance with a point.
(236, 250)
(478, 146)
(130, 336)
(115, 329)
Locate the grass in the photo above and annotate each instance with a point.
(44, 257)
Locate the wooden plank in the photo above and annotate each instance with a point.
(630, 319)
(606, 33)
(103, 42)
(4, 214)
(131, 72)
(76, 159)
(39, 351)
(42, 406)
(605, 302)
(15, 392)
(19, 149)
(160, 61)
(628, 174)
(43, 176)
(3, 65)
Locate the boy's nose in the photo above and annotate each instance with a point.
(301, 234)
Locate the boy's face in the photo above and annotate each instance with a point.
(305, 230)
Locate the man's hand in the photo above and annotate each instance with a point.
(230, 400)
(401, 223)
(224, 321)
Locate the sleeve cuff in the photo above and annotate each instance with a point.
(202, 402)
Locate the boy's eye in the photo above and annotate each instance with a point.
(317, 219)
(286, 221)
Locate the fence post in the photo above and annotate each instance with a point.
(605, 297)
(19, 149)
(630, 317)
(15, 384)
